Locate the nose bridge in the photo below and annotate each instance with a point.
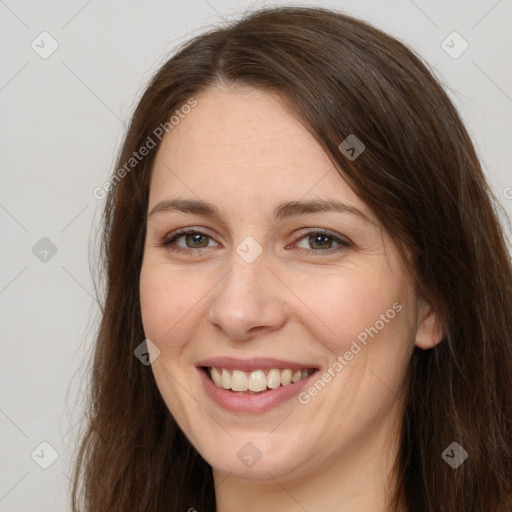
(248, 295)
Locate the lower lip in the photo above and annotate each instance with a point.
(247, 403)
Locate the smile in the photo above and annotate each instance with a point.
(254, 385)
(257, 381)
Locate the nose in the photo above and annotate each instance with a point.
(247, 301)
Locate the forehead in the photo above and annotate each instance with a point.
(247, 147)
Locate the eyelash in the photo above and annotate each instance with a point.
(169, 240)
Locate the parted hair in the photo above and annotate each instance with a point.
(421, 177)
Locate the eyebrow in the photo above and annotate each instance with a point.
(282, 210)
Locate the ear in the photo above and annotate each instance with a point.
(429, 331)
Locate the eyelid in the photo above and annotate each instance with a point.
(342, 241)
(178, 233)
(322, 231)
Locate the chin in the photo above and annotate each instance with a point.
(255, 456)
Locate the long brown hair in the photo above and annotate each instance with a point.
(421, 177)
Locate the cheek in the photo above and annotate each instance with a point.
(167, 310)
(348, 302)
(166, 302)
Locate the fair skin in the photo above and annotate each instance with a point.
(244, 152)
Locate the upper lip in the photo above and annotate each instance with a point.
(250, 365)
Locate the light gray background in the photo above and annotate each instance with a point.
(63, 119)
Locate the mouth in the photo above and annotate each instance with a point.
(257, 381)
(253, 385)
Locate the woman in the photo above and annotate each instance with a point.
(308, 295)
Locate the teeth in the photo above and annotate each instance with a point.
(273, 379)
(286, 377)
(215, 375)
(239, 381)
(226, 379)
(297, 375)
(256, 381)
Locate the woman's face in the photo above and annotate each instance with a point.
(266, 290)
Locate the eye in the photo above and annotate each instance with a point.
(193, 238)
(321, 241)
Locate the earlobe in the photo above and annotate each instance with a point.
(430, 330)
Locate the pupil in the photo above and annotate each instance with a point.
(196, 239)
(317, 240)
